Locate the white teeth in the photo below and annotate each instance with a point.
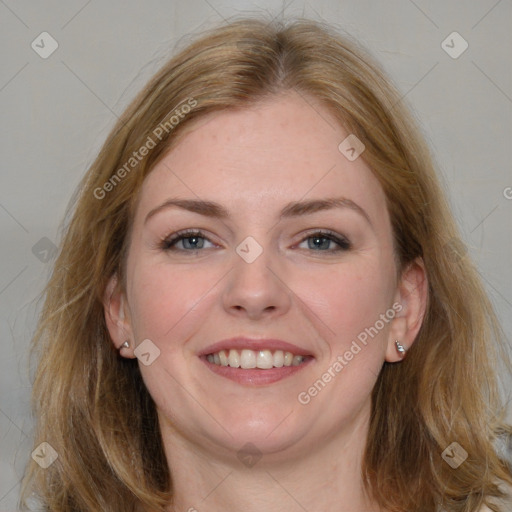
(297, 360)
(234, 359)
(265, 360)
(278, 358)
(247, 359)
(223, 358)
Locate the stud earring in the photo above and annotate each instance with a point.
(126, 344)
(400, 348)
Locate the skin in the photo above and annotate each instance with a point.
(253, 162)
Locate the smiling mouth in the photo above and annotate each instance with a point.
(247, 359)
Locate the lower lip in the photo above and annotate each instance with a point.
(255, 376)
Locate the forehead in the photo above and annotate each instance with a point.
(284, 148)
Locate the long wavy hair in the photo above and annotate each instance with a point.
(92, 406)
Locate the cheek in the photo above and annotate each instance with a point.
(165, 297)
(348, 299)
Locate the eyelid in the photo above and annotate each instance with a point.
(343, 242)
(323, 231)
(175, 237)
(168, 242)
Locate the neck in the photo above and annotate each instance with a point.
(324, 475)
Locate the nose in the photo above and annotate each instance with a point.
(256, 290)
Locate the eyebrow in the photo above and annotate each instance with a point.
(293, 209)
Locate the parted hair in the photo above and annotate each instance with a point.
(92, 406)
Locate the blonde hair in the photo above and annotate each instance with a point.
(92, 406)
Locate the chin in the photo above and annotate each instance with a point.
(272, 432)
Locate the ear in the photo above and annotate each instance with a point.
(411, 303)
(117, 317)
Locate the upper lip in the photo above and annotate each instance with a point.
(239, 343)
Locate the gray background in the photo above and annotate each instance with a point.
(57, 111)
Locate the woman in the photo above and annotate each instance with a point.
(259, 303)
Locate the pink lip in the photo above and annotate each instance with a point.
(254, 344)
(255, 376)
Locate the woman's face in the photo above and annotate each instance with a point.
(270, 263)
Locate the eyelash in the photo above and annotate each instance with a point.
(168, 243)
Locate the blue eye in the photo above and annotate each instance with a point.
(193, 240)
(321, 240)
